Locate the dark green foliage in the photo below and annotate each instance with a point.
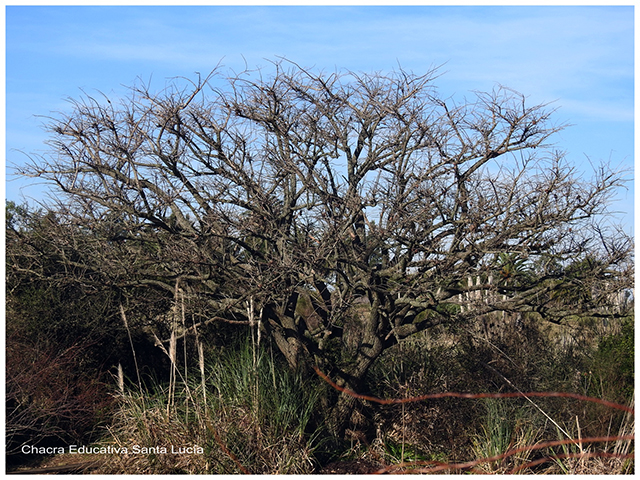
(613, 364)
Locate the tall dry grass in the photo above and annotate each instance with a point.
(243, 411)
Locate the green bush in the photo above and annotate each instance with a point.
(613, 364)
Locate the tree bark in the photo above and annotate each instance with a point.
(370, 349)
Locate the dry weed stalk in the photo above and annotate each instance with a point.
(133, 350)
(200, 348)
(120, 379)
(626, 428)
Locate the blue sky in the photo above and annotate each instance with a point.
(580, 58)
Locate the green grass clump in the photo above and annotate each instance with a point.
(251, 414)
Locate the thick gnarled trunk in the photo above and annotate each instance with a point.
(369, 350)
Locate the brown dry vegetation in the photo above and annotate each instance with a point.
(259, 418)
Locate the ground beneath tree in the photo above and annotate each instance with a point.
(350, 467)
(57, 464)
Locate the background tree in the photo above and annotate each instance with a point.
(339, 212)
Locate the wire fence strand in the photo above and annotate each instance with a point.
(436, 466)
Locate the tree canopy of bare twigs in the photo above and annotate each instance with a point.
(345, 209)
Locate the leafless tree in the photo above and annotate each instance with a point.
(350, 209)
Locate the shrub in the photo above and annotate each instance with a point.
(51, 399)
(613, 364)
